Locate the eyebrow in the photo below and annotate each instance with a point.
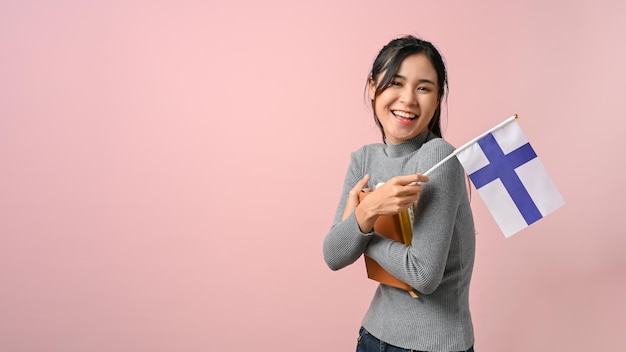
(423, 80)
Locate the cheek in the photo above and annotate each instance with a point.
(381, 111)
(432, 103)
(377, 106)
(382, 101)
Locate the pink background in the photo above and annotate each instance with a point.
(168, 169)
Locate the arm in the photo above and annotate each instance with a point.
(422, 264)
(345, 242)
(354, 220)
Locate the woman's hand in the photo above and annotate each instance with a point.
(393, 197)
(353, 197)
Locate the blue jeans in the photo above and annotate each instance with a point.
(369, 343)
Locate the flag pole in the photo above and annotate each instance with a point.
(458, 150)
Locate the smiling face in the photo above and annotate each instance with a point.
(407, 105)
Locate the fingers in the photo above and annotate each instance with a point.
(410, 179)
(422, 178)
(393, 196)
(407, 188)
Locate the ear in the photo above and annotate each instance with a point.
(371, 88)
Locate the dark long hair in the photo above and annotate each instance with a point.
(388, 62)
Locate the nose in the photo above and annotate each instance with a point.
(409, 96)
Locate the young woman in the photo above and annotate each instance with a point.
(406, 86)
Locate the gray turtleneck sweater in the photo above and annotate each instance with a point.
(439, 261)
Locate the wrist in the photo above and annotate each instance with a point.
(364, 219)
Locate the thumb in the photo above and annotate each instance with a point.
(362, 182)
(358, 187)
(353, 196)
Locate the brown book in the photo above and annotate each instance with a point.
(398, 228)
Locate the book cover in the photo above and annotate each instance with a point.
(397, 227)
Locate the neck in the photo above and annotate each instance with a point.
(408, 146)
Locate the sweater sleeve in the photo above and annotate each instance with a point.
(422, 264)
(345, 242)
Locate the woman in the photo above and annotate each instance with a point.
(406, 86)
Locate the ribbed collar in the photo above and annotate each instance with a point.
(407, 147)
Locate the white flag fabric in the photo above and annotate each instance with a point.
(510, 178)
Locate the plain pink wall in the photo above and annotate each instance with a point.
(168, 169)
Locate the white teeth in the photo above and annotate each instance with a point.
(407, 115)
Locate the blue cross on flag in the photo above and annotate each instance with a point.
(509, 177)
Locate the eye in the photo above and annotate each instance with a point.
(395, 83)
(423, 89)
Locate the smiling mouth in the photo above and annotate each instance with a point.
(404, 114)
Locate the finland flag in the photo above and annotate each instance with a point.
(509, 177)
